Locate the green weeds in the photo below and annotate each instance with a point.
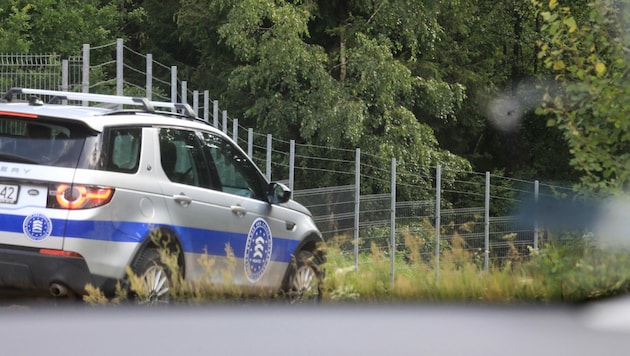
(573, 272)
(570, 272)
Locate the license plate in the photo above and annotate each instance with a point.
(9, 193)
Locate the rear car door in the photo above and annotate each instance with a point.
(199, 211)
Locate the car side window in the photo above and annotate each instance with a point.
(182, 158)
(236, 173)
(123, 149)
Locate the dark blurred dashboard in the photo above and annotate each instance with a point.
(348, 329)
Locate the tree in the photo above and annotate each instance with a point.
(489, 48)
(154, 29)
(58, 26)
(337, 80)
(14, 23)
(588, 102)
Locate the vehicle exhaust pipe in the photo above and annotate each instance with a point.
(58, 290)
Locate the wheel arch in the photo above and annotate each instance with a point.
(162, 236)
(313, 243)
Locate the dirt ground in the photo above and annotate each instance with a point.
(12, 299)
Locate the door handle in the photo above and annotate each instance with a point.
(182, 200)
(238, 210)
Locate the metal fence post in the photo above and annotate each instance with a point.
(64, 77)
(392, 230)
(85, 80)
(235, 130)
(173, 84)
(149, 79)
(250, 143)
(64, 74)
(486, 248)
(357, 205)
(184, 92)
(438, 189)
(206, 106)
(119, 67)
(225, 122)
(196, 102)
(536, 188)
(215, 113)
(291, 164)
(268, 161)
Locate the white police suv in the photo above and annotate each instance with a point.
(85, 191)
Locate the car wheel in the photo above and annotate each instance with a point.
(154, 278)
(304, 283)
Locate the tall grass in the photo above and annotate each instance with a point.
(561, 272)
(573, 272)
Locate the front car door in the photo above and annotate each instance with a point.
(264, 244)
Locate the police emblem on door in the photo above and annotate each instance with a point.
(257, 250)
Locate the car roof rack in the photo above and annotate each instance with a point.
(147, 105)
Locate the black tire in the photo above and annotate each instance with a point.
(155, 278)
(304, 282)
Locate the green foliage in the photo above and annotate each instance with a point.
(576, 271)
(571, 272)
(331, 74)
(588, 55)
(460, 279)
(56, 26)
(487, 46)
(14, 21)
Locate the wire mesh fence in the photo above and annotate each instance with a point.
(41, 71)
(352, 194)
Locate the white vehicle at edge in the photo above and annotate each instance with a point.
(83, 189)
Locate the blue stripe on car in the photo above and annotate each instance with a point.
(193, 240)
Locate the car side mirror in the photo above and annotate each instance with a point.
(278, 193)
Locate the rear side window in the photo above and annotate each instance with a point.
(182, 158)
(41, 142)
(123, 149)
